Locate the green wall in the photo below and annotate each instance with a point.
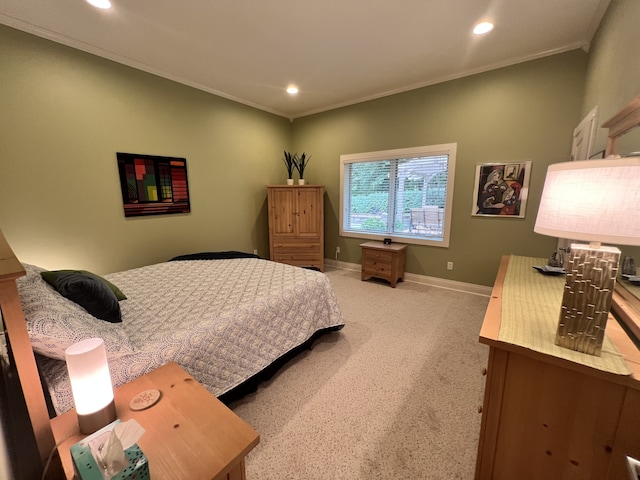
(66, 113)
(613, 75)
(613, 71)
(523, 112)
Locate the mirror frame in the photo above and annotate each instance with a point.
(625, 305)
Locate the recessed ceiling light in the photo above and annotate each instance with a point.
(100, 3)
(482, 28)
(292, 89)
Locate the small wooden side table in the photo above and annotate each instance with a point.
(189, 432)
(383, 261)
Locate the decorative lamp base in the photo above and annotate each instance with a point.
(590, 279)
(93, 422)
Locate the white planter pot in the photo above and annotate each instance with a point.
(289, 181)
(301, 181)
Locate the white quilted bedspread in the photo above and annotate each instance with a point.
(222, 320)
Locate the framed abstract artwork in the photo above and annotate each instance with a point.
(501, 189)
(153, 185)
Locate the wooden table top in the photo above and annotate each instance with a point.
(189, 432)
(384, 246)
(491, 327)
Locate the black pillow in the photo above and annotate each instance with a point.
(50, 278)
(91, 293)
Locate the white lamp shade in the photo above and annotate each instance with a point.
(89, 375)
(593, 201)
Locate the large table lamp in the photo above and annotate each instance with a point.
(91, 384)
(597, 201)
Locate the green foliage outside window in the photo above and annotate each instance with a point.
(374, 224)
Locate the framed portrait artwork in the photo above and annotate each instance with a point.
(501, 189)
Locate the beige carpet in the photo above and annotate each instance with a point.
(393, 395)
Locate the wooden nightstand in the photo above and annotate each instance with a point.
(383, 261)
(189, 432)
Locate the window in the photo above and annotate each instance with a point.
(405, 194)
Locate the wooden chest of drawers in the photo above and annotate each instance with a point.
(383, 261)
(296, 225)
(546, 417)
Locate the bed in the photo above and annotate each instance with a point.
(224, 321)
(228, 322)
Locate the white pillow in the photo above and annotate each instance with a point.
(55, 322)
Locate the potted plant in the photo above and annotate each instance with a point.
(301, 163)
(290, 162)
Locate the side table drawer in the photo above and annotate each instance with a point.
(375, 257)
(377, 268)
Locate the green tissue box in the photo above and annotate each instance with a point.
(86, 466)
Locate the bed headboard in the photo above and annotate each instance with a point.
(25, 362)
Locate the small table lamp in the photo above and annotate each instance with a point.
(91, 384)
(594, 201)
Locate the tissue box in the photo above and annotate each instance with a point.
(86, 467)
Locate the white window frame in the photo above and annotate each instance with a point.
(448, 149)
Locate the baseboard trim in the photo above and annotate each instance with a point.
(422, 279)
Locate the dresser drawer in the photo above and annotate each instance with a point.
(299, 258)
(296, 251)
(303, 263)
(296, 247)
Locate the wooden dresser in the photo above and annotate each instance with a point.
(296, 225)
(545, 417)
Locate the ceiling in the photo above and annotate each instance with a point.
(338, 52)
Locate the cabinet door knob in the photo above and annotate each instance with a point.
(479, 408)
(484, 372)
